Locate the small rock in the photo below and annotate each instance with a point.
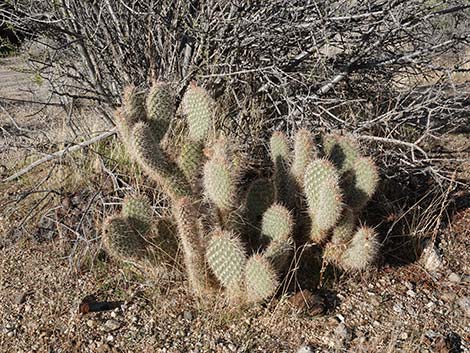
(110, 338)
(430, 334)
(307, 302)
(187, 315)
(398, 308)
(343, 333)
(408, 285)
(448, 296)
(430, 305)
(91, 323)
(430, 258)
(454, 277)
(305, 349)
(232, 347)
(403, 336)
(411, 293)
(464, 304)
(111, 325)
(20, 298)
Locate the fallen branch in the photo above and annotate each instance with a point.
(60, 154)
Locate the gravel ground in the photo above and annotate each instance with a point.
(391, 309)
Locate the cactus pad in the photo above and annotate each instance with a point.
(323, 197)
(226, 258)
(219, 183)
(122, 240)
(160, 108)
(362, 250)
(277, 223)
(304, 153)
(151, 157)
(260, 279)
(198, 107)
(341, 150)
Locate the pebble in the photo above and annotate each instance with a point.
(403, 336)
(408, 285)
(464, 304)
(454, 277)
(91, 323)
(448, 296)
(411, 293)
(187, 315)
(20, 298)
(398, 308)
(430, 258)
(111, 325)
(342, 332)
(110, 338)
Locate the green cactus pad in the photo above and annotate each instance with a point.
(279, 254)
(279, 147)
(133, 108)
(323, 197)
(344, 229)
(121, 239)
(190, 159)
(199, 108)
(139, 210)
(277, 223)
(260, 279)
(341, 150)
(304, 153)
(160, 109)
(361, 251)
(154, 162)
(361, 183)
(226, 258)
(219, 183)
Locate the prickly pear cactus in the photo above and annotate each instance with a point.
(244, 240)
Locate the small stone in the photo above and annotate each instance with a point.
(20, 298)
(110, 338)
(187, 315)
(91, 323)
(454, 277)
(343, 333)
(307, 302)
(232, 347)
(430, 258)
(305, 349)
(398, 308)
(403, 336)
(113, 314)
(408, 285)
(111, 325)
(430, 334)
(430, 305)
(410, 293)
(448, 296)
(464, 304)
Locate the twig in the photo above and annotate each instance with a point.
(60, 153)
